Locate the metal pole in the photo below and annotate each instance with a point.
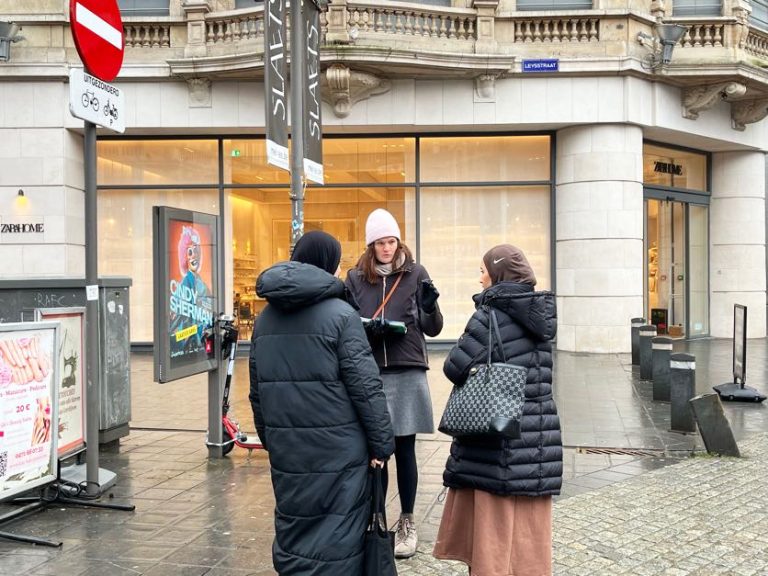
(297, 121)
(92, 360)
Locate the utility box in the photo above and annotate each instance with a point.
(20, 299)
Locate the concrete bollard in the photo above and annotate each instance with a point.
(647, 333)
(636, 323)
(682, 387)
(661, 348)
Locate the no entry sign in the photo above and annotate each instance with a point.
(98, 32)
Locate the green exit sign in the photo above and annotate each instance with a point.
(235, 153)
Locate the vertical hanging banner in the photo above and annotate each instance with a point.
(275, 96)
(313, 134)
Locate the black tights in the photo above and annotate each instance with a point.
(407, 474)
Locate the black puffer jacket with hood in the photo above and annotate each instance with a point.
(320, 410)
(532, 465)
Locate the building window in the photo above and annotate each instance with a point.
(454, 198)
(525, 5)
(674, 168)
(697, 8)
(144, 7)
(248, 3)
(759, 16)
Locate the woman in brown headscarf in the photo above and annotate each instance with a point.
(498, 513)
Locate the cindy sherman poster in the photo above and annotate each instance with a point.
(186, 270)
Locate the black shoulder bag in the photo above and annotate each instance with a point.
(490, 402)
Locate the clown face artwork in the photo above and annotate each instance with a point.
(190, 296)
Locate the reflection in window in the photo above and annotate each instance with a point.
(125, 241)
(157, 162)
(523, 5)
(459, 225)
(759, 15)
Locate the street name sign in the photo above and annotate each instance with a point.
(97, 29)
(544, 65)
(95, 101)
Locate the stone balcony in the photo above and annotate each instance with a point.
(718, 58)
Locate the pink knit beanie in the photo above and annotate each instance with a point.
(380, 224)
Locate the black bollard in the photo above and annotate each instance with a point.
(713, 425)
(661, 348)
(682, 387)
(636, 323)
(647, 333)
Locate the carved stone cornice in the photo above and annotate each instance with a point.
(700, 98)
(746, 112)
(343, 88)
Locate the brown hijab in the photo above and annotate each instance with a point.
(507, 263)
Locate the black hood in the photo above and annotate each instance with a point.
(535, 311)
(292, 285)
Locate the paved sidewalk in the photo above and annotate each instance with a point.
(633, 501)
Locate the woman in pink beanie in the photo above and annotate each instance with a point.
(390, 287)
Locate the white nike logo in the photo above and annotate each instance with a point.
(499, 260)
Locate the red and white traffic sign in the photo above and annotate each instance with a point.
(98, 32)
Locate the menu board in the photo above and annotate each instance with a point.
(29, 375)
(186, 271)
(71, 377)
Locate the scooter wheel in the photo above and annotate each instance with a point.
(226, 437)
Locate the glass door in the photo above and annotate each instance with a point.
(677, 242)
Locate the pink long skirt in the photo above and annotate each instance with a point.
(497, 535)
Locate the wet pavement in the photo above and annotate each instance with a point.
(198, 516)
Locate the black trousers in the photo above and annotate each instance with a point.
(407, 473)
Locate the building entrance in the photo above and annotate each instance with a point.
(677, 267)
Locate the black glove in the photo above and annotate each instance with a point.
(375, 328)
(429, 296)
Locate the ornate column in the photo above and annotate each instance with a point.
(599, 236)
(337, 17)
(486, 37)
(195, 11)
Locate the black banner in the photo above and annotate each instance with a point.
(313, 134)
(275, 93)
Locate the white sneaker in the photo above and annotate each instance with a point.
(406, 538)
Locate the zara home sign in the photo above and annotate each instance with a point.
(17, 226)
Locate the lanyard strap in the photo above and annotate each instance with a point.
(384, 302)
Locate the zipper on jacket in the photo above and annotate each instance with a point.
(383, 296)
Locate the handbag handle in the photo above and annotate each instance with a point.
(384, 302)
(493, 328)
(378, 519)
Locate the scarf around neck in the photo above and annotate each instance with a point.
(387, 269)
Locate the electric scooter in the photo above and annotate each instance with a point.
(231, 433)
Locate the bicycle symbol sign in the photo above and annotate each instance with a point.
(96, 101)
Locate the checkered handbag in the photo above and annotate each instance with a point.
(491, 401)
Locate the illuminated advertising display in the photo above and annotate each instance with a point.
(186, 269)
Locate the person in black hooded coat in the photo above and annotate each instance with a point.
(319, 410)
(498, 514)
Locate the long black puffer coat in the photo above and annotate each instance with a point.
(532, 465)
(320, 410)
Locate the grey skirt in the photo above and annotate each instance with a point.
(409, 402)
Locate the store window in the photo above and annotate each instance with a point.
(673, 168)
(125, 241)
(157, 162)
(469, 193)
